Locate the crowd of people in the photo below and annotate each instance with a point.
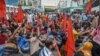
(42, 34)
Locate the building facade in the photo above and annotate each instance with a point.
(96, 5)
(30, 4)
(25, 2)
(71, 5)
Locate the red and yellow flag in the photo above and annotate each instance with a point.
(2, 8)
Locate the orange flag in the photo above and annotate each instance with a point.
(64, 24)
(20, 15)
(89, 7)
(70, 43)
(2, 8)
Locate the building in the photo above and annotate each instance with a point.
(30, 4)
(96, 5)
(11, 8)
(25, 2)
(37, 5)
(50, 8)
(69, 5)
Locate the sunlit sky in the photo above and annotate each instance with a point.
(50, 2)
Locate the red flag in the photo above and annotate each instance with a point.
(2, 8)
(89, 7)
(64, 24)
(70, 43)
(20, 15)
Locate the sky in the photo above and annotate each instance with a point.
(12, 2)
(50, 2)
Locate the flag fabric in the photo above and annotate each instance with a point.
(64, 24)
(2, 8)
(20, 15)
(70, 42)
(89, 7)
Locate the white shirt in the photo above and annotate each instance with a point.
(45, 52)
(30, 18)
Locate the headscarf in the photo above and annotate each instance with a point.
(86, 49)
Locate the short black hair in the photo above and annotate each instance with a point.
(3, 30)
(49, 42)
